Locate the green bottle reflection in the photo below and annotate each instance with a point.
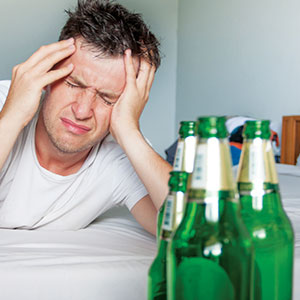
(211, 254)
(184, 158)
(263, 215)
(175, 204)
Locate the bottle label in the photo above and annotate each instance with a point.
(168, 217)
(177, 166)
(199, 174)
(189, 154)
(256, 161)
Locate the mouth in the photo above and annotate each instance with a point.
(75, 128)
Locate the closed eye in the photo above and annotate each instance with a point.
(71, 85)
(100, 95)
(107, 102)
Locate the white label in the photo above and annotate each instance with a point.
(199, 175)
(256, 161)
(189, 153)
(177, 166)
(168, 217)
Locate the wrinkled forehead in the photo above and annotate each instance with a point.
(83, 46)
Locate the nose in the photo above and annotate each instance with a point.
(83, 106)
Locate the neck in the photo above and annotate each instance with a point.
(53, 159)
(257, 165)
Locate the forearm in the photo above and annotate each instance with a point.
(152, 169)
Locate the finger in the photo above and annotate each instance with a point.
(129, 68)
(52, 59)
(44, 51)
(57, 74)
(150, 79)
(144, 73)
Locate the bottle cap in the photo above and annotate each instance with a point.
(257, 129)
(187, 128)
(178, 181)
(212, 126)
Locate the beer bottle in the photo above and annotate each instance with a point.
(211, 254)
(172, 217)
(186, 146)
(263, 215)
(184, 157)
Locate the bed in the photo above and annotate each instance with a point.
(108, 260)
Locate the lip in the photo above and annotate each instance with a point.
(75, 128)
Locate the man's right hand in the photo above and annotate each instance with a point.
(30, 77)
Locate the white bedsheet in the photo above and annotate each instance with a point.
(109, 260)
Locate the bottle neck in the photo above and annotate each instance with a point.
(173, 213)
(213, 167)
(257, 176)
(212, 185)
(257, 171)
(185, 154)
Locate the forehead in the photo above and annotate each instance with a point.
(102, 73)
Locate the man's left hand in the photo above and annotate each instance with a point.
(127, 111)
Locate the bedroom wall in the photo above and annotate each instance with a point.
(238, 57)
(25, 25)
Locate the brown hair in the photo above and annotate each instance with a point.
(109, 29)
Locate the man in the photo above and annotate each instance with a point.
(59, 166)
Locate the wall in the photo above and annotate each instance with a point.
(238, 57)
(26, 25)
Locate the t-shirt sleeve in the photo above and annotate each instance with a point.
(4, 87)
(128, 188)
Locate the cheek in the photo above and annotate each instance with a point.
(103, 115)
(59, 95)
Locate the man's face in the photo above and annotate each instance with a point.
(77, 109)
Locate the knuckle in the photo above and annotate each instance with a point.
(42, 48)
(26, 76)
(15, 69)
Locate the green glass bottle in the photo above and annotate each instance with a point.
(184, 157)
(211, 254)
(173, 214)
(263, 214)
(186, 147)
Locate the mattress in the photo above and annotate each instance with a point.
(108, 260)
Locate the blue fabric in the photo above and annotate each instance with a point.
(170, 153)
(235, 155)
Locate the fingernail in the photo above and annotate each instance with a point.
(70, 40)
(72, 47)
(70, 66)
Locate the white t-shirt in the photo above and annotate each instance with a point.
(32, 197)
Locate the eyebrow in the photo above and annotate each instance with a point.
(77, 81)
(108, 95)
